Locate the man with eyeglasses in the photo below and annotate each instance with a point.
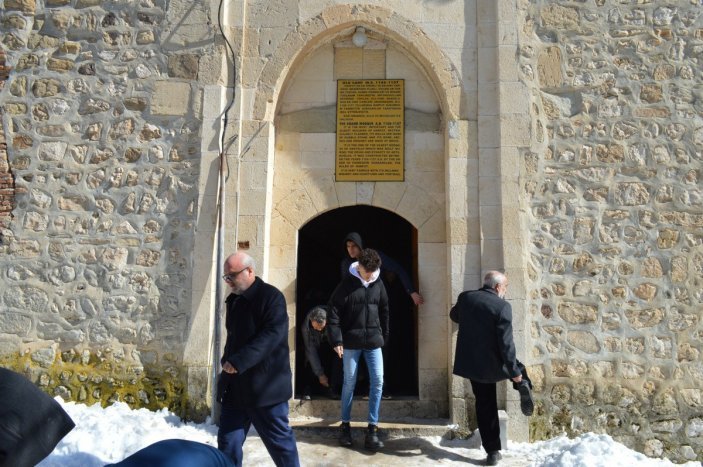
(256, 380)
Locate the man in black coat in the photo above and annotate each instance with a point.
(358, 326)
(485, 353)
(256, 380)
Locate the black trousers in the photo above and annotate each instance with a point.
(487, 415)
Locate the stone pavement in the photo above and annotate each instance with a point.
(322, 450)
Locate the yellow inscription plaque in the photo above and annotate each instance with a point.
(370, 130)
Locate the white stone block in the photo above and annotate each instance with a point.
(492, 254)
(434, 230)
(489, 191)
(488, 65)
(491, 225)
(488, 99)
(318, 142)
(388, 194)
(318, 66)
(507, 63)
(489, 131)
(170, 98)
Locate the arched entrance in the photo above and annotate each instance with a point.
(320, 252)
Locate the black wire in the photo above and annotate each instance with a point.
(225, 118)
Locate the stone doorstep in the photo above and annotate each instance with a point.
(391, 409)
(410, 428)
(405, 427)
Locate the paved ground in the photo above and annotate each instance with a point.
(323, 451)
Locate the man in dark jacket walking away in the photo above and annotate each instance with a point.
(358, 326)
(256, 380)
(485, 354)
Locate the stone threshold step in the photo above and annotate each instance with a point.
(397, 428)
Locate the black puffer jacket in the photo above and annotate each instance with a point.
(358, 315)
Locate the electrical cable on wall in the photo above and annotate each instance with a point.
(223, 176)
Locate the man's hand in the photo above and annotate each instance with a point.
(340, 350)
(517, 379)
(228, 368)
(417, 298)
(324, 381)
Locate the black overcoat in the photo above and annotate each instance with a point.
(485, 351)
(257, 346)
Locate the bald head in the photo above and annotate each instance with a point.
(239, 271)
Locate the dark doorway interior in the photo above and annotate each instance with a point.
(321, 250)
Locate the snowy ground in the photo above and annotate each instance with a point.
(109, 435)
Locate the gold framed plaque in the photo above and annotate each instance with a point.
(370, 143)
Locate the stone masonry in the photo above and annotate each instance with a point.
(102, 125)
(561, 141)
(611, 191)
(7, 183)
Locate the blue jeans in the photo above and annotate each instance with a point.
(272, 425)
(374, 362)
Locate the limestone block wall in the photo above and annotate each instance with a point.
(612, 192)
(101, 114)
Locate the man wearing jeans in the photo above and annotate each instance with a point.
(255, 383)
(358, 326)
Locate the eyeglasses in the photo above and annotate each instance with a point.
(233, 275)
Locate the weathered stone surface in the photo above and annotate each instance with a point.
(644, 318)
(560, 17)
(584, 341)
(15, 323)
(577, 313)
(46, 87)
(59, 65)
(25, 6)
(549, 67)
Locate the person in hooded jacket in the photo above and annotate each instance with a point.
(358, 326)
(354, 244)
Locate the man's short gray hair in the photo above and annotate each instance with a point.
(248, 261)
(318, 314)
(493, 278)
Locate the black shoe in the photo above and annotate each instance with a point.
(345, 437)
(526, 404)
(307, 397)
(493, 458)
(372, 442)
(385, 396)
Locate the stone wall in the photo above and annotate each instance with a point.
(612, 191)
(101, 113)
(7, 182)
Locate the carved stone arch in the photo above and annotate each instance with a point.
(340, 20)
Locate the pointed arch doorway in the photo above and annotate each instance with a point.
(321, 249)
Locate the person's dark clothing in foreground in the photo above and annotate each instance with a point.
(176, 453)
(31, 422)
